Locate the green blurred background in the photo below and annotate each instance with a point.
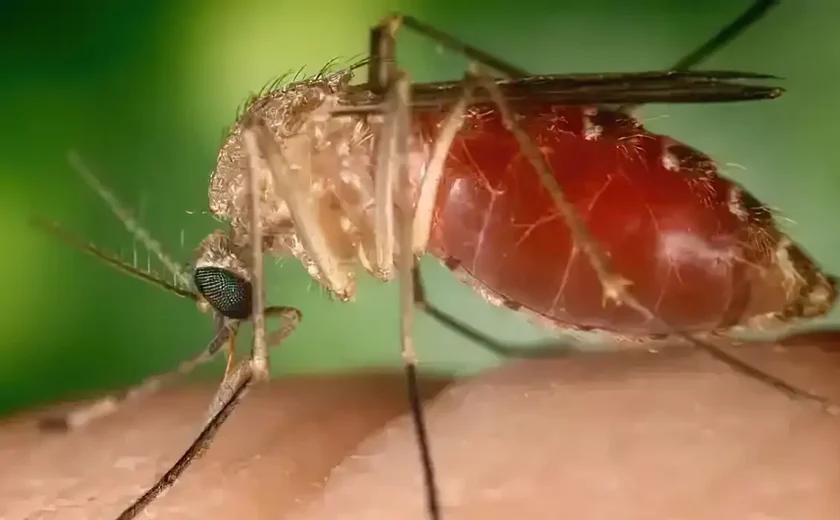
(145, 89)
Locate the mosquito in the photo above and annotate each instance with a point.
(620, 231)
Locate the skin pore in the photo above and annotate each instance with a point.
(629, 435)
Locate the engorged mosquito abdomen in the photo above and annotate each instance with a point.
(701, 252)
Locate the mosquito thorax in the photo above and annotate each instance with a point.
(329, 179)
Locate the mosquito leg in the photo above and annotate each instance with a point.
(385, 173)
(384, 180)
(753, 14)
(406, 265)
(736, 28)
(395, 137)
(550, 349)
(289, 320)
(733, 30)
(382, 70)
(425, 205)
(259, 348)
(750, 371)
(102, 407)
(382, 62)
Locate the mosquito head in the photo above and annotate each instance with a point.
(222, 278)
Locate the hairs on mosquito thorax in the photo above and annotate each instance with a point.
(339, 67)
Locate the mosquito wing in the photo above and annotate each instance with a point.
(586, 89)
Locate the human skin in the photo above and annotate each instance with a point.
(631, 435)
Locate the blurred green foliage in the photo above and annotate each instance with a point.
(144, 91)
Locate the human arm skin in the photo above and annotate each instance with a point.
(673, 435)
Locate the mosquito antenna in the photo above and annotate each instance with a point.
(111, 259)
(752, 15)
(124, 214)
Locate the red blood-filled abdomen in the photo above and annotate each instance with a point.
(700, 252)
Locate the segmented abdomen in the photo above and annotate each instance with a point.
(700, 251)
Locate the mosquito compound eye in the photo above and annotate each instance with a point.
(227, 293)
